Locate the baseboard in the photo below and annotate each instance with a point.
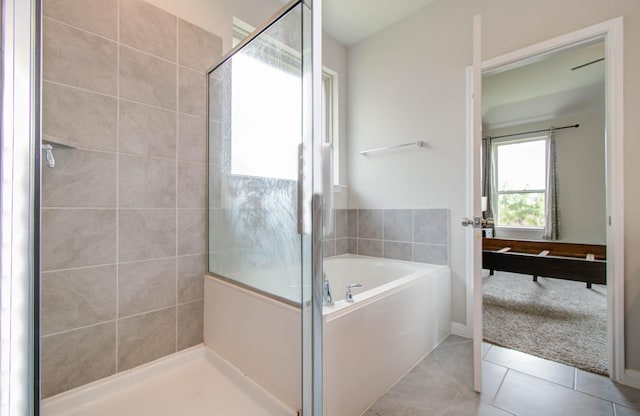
(631, 378)
(461, 330)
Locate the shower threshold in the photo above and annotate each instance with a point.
(192, 382)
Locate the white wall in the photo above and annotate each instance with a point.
(580, 156)
(408, 82)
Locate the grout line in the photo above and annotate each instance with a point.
(83, 327)
(504, 377)
(575, 378)
(117, 349)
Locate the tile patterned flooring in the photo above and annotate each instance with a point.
(514, 383)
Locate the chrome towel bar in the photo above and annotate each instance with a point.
(419, 143)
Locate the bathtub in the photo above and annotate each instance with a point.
(401, 312)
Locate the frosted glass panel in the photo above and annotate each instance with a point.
(255, 127)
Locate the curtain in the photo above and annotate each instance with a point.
(488, 180)
(551, 219)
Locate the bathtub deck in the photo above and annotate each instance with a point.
(195, 382)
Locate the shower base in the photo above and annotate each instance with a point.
(192, 382)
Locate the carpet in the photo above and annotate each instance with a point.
(555, 319)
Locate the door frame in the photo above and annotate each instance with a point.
(611, 31)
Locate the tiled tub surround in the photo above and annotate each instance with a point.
(124, 215)
(420, 235)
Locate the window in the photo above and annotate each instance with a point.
(521, 183)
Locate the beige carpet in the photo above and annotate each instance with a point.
(555, 319)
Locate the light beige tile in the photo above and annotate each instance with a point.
(605, 388)
(215, 186)
(190, 324)
(192, 231)
(192, 138)
(398, 251)
(352, 245)
(398, 224)
(97, 16)
(146, 286)
(81, 178)
(492, 376)
(342, 246)
(431, 226)
(71, 359)
(75, 298)
(371, 248)
(191, 271)
(463, 405)
(329, 248)
(77, 58)
(84, 117)
(198, 49)
(147, 337)
(147, 131)
(148, 28)
(147, 182)
(191, 94)
(146, 234)
(192, 185)
(625, 411)
(78, 237)
(147, 79)
(430, 253)
(342, 223)
(370, 223)
(352, 223)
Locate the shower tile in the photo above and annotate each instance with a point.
(398, 224)
(84, 117)
(370, 223)
(429, 253)
(192, 231)
(145, 286)
(97, 16)
(352, 245)
(397, 251)
(192, 139)
(146, 182)
(352, 223)
(78, 237)
(74, 358)
(148, 28)
(75, 298)
(431, 226)
(197, 48)
(146, 234)
(190, 324)
(147, 79)
(342, 223)
(371, 248)
(80, 179)
(191, 93)
(328, 248)
(191, 271)
(147, 131)
(144, 338)
(342, 246)
(78, 58)
(192, 185)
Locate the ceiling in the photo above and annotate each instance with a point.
(545, 89)
(350, 21)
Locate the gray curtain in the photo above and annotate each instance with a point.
(551, 219)
(488, 179)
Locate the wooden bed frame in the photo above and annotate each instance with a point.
(580, 262)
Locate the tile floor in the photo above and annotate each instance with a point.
(514, 383)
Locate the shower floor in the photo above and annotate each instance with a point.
(193, 382)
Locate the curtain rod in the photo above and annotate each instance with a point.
(573, 126)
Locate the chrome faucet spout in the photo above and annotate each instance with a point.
(349, 296)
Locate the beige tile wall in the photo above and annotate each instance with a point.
(124, 215)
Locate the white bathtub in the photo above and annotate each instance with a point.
(399, 315)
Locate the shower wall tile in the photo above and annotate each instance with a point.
(372, 248)
(190, 324)
(147, 182)
(398, 224)
(147, 79)
(353, 223)
(192, 231)
(75, 57)
(80, 179)
(192, 185)
(191, 271)
(75, 298)
(192, 138)
(428, 253)
(146, 286)
(342, 246)
(341, 223)
(431, 226)
(96, 16)
(398, 251)
(146, 234)
(328, 248)
(352, 245)
(84, 117)
(71, 359)
(148, 28)
(146, 337)
(191, 92)
(199, 49)
(370, 223)
(147, 131)
(78, 238)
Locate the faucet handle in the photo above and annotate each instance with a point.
(349, 296)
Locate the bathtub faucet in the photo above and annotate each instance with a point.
(327, 299)
(349, 296)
